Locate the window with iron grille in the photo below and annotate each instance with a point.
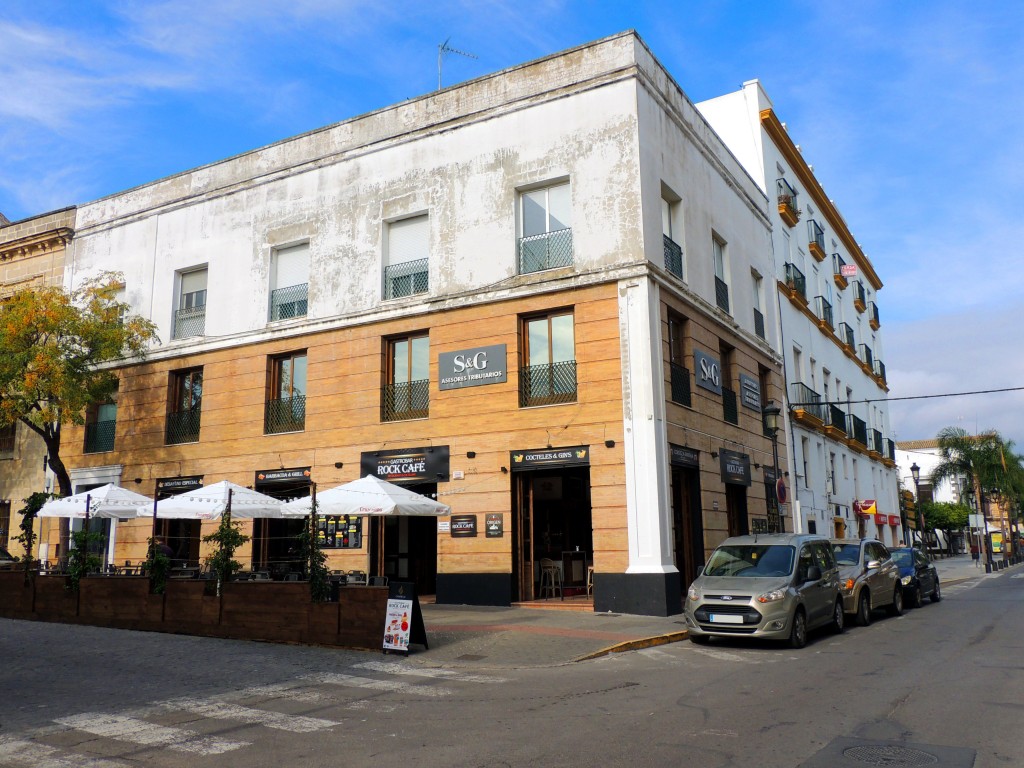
(545, 221)
(721, 282)
(289, 282)
(8, 436)
(406, 393)
(286, 402)
(679, 375)
(183, 417)
(100, 426)
(758, 295)
(670, 240)
(190, 316)
(5, 522)
(406, 271)
(547, 375)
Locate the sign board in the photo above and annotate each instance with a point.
(774, 521)
(680, 456)
(997, 542)
(976, 521)
(780, 491)
(429, 464)
(759, 525)
(298, 475)
(750, 392)
(735, 467)
(708, 373)
(444, 526)
(472, 367)
(550, 457)
(172, 486)
(848, 270)
(403, 620)
(463, 526)
(494, 525)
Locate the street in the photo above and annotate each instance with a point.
(942, 681)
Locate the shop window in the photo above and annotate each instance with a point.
(545, 225)
(406, 393)
(286, 404)
(289, 282)
(185, 406)
(547, 375)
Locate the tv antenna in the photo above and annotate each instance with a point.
(444, 49)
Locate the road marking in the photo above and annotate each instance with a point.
(724, 655)
(17, 752)
(279, 691)
(657, 654)
(220, 710)
(1017, 576)
(353, 681)
(448, 674)
(146, 734)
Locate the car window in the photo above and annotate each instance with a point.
(750, 560)
(876, 551)
(806, 561)
(846, 554)
(903, 557)
(921, 559)
(823, 555)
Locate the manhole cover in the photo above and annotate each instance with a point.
(890, 755)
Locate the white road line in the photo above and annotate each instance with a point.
(148, 734)
(278, 691)
(17, 752)
(448, 674)
(220, 710)
(352, 681)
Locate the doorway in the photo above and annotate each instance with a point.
(687, 524)
(182, 536)
(275, 544)
(552, 520)
(405, 548)
(736, 509)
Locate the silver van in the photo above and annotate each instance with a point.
(777, 586)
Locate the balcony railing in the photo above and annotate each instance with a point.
(183, 426)
(806, 399)
(859, 296)
(835, 417)
(190, 322)
(289, 302)
(889, 450)
(680, 384)
(846, 335)
(788, 209)
(873, 315)
(287, 414)
(867, 356)
(875, 436)
(721, 294)
(838, 262)
(673, 256)
(408, 400)
(406, 279)
(796, 281)
(545, 251)
(730, 412)
(816, 240)
(824, 310)
(857, 429)
(99, 436)
(880, 369)
(547, 384)
(759, 323)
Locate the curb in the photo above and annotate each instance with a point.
(634, 645)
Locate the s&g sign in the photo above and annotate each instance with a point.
(472, 367)
(709, 371)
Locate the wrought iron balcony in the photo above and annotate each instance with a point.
(545, 251)
(806, 402)
(824, 310)
(875, 444)
(183, 426)
(880, 370)
(867, 357)
(859, 296)
(846, 335)
(99, 436)
(673, 256)
(816, 240)
(287, 414)
(835, 419)
(408, 400)
(857, 429)
(547, 384)
(796, 282)
(759, 323)
(406, 279)
(286, 303)
(838, 262)
(788, 209)
(730, 412)
(873, 315)
(190, 322)
(890, 449)
(721, 294)
(680, 384)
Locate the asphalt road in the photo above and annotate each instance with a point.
(939, 686)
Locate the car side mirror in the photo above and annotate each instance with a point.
(873, 564)
(813, 573)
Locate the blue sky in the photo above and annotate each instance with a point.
(912, 114)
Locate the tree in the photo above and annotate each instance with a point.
(946, 517)
(974, 457)
(55, 351)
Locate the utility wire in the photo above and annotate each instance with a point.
(908, 397)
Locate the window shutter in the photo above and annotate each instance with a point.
(407, 240)
(291, 266)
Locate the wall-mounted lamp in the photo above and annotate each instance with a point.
(714, 454)
(470, 454)
(504, 470)
(339, 464)
(609, 443)
(138, 480)
(757, 466)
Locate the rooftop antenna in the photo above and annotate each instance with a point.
(443, 49)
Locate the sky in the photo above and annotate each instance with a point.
(911, 113)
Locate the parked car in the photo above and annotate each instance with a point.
(917, 576)
(869, 578)
(777, 586)
(6, 560)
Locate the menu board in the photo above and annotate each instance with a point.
(397, 624)
(340, 531)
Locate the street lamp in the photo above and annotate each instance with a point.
(771, 414)
(915, 472)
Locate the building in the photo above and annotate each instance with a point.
(32, 253)
(842, 461)
(539, 295)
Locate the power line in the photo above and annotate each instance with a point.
(908, 397)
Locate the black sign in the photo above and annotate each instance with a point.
(472, 367)
(463, 526)
(680, 456)
(708, 373)
(550, 457)
(340, 531)
(750, 392)
(172, 486)
(735, 467)
(295, 476)
(774, 521)
(407, 465)
(758, 525)
(494, 525)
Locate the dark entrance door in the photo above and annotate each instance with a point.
(736, 507)
(275, 544)
(405, 548)
(687, 524)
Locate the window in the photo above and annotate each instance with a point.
(8, 438)
(545, 220)
(721, 282)
(100, 425)
(679, 374)
(185, 406)
(190, 317)
(730, 409)
(289, 282)
(758, 295)
(407, 389)
(670, 241)
(5, 522)
(286, 402)
(406, 271)
(805, 450)
(548, 372)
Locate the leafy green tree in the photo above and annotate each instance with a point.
(81, 560)
(975, 457)
(947, 517)
(27, 537)
(225, 540)
(314, 560)
(158, 566)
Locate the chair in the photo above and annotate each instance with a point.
(292, 576)
(357, 577)
(550, 579)
(378, 581)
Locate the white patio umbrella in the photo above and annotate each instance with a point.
(367, 496)
(212, 501)
(106, 501)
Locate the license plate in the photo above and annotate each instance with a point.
(726, 618)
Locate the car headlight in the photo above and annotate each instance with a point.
(848, 585)
(905, 581)
(771, 597)
(693, 594)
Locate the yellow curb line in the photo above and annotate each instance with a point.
(633, 645)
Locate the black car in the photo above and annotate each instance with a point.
(917, 575)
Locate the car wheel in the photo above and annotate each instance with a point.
(937, 593)
(896, 608)
(798, 634)
(838, 618)
(863, 610)
(915, 597)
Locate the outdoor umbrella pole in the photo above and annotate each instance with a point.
(313, 541)
(85, 539)
(152, 537)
